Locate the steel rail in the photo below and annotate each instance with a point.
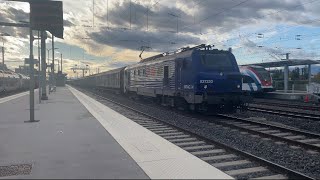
(291, 174)
(274, 127)
(286, 113)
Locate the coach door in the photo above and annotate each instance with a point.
(165, 76)
(121, 80)
(178, 71)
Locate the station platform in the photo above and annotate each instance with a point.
(292, 96)
(298, 96)
(78, 137)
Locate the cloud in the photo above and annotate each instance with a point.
(12, 15)
(129, 39)
(156, 23)
(121, 29)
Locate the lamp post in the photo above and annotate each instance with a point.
(50, 74)
(87, 68)
(3, 34)
(59, 62)
(49, 53)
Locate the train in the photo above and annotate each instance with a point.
(196, 78)
(256, 79)
(11, 81)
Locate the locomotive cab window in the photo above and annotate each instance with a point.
(216, 61)
(263, 73)
(247, 79)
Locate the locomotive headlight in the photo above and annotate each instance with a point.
(205, 86)
(238, 86)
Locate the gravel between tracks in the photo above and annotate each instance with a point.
(282, 101)
(296, 110)
(296, 159)
(303, 124)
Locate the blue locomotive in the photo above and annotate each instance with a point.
(198, 78)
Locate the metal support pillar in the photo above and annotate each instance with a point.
(286, 78)
(43, 66)
(286, 75)
(3, 58)
(309, 74)
(49, 73)
(39, 68)
(61, 62)
(31, 86)
(52, 68)
(31, 77)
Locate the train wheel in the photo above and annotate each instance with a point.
(192, 108)
(157, 100)
(202, 108)
(229, 108)
(181, 104)
(213, 109)
(244, 107)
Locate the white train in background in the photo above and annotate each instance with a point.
(11, 81)
(256, 79)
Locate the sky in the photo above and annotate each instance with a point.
(106, 34)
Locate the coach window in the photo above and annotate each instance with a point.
(165, 75)
(144, 72)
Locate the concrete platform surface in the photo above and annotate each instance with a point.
(68, 142)
(8, 98)
(159, 158)
(295, 96)
(80, 138)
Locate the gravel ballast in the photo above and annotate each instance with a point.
(295, 159)
(299, 123)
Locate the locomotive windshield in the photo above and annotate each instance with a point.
(217, 61)
(247, 79)
(264, 74)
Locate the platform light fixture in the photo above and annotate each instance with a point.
(2, 35)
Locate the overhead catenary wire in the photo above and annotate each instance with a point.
(249, 34)
(221, 12)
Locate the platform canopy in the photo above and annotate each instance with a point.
(284, 62)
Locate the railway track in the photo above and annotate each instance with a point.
(3, 95)
(288, 135)
(236, 163)
(287, 113)
(297, 106)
